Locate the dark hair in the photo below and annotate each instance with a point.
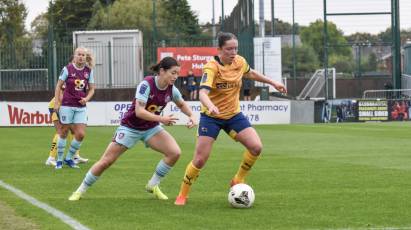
(222, 37)
(165, 63)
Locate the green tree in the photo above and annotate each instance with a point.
(68, 16)
(280, 27)
(174, 18)
(14, 45)
(370, 64)
(306, 59)
(124, 14)
(39, 26)
(12, 17)
(341, 63)
(386, 36)
(362, 37)
(179, 19)
(314, 37)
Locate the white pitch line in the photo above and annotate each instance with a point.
(58, 214)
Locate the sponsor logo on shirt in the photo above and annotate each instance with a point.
(227, 85)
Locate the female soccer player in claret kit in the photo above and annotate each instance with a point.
(142, 122)
(79, 81)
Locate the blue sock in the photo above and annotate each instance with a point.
(74, 146)
(88, 181)
(61, 145)
(161, 171)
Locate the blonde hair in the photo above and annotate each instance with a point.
(90, 61)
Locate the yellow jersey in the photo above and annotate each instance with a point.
(51, 103)
(224, 83)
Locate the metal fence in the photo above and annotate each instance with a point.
(34, 67)
(404, 93)
(23, 79)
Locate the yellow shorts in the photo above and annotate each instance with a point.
(54, 115)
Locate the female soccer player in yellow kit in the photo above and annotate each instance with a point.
(220, 98)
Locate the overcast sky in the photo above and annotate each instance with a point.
(306, 11)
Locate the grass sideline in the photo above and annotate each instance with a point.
(316, 176)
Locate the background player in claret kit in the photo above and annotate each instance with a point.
(142, 122)
(79, 81)
(219, 95)
(51, 160)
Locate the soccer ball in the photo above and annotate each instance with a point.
(241, 196)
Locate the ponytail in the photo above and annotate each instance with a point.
(165, 64)
(90, 60)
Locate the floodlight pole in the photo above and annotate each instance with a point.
(261, 17)
(213, 25)
(222, 15)
(396, 44)
(154, 21)
(272, 19)
(325, 30)
(294, 54)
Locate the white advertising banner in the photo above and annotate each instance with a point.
(110, 113)
(267, 58)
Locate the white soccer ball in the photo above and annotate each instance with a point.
(241, 196)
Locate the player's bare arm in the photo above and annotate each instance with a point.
(205, 100)
(187, 111)
(90, 94)
(142, 113)
(57, 95)
(256, 76)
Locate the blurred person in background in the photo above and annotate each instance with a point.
(78, 77)
(51, 160)
(192, 87)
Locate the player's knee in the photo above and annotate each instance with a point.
(175, 154)
(199, 162)
(256, 149)
(63, 134)
(80, 135)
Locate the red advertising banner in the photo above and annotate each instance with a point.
(189, 57)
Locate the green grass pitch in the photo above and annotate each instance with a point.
(321, 176)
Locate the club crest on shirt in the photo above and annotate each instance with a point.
(86, 75)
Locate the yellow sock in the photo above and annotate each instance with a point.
(190, 176)
(245, 166)
(53, 149)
